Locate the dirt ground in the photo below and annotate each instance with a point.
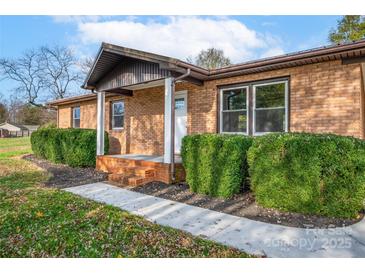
(242, 205)
(64, 176)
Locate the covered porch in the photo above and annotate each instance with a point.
(123, 71)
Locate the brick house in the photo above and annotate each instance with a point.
(136, 95)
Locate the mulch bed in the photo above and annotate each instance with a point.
(242, 205)
(64, 176)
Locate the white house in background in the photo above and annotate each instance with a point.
(11, 129)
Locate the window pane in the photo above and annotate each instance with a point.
(270, 120)
(76, 123)
(118, 121)
(76, 114)
(234, 99)
(235, 121)
(270, 96)
(179, 103)
(118, 108)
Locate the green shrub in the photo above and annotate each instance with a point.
(215, 164)
(309, 173)
(74, 147)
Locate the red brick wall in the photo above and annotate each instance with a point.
(324, 97)
(145, 121)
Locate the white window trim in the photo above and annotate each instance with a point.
(73, 117)
(114, 102)
(254, 133)
(221, 110)
(182, 94)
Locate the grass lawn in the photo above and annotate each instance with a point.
(10, 147)
(41, 222)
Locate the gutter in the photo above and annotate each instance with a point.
(355, 48)
(362, 98)
(297, 56)
(172, 142)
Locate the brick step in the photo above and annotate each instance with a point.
(147, 169)
(120, 180)
(146, 172)
(138, 180)
(126, 162)
(129, 170)
(128, 180)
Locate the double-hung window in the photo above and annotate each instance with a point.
(255, 108)
(76, 117)
(117, 115)
(270, 107)
(234, 110)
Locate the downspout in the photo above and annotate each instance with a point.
(58, 118)
(362, 99)
(172, 149)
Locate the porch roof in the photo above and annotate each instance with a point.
(118, 67)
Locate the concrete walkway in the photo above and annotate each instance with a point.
(250, 236)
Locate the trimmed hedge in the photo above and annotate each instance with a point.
(74, 147)
(215, 164)
(309, 173)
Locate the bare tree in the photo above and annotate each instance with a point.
(26, 72)
(14, 106)
(85, 65)
(3, 109)
(59, 70)
(210, 59)
(46, 73)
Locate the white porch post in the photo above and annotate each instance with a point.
(167, 121)
(100, 123)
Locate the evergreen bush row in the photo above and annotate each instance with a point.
(74, 147)
(321, 174)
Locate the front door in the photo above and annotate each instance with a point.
(181, 99)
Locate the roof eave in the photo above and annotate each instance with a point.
(85, 84)
(165, 62)
(200, 73)
(316, 53)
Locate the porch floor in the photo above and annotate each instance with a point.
(142, 157)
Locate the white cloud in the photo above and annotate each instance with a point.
(268, 24)
(182, 36)
(76, 18)
(272, 52)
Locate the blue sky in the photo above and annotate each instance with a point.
(241, 37)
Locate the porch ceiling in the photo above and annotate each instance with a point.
(128, 90)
